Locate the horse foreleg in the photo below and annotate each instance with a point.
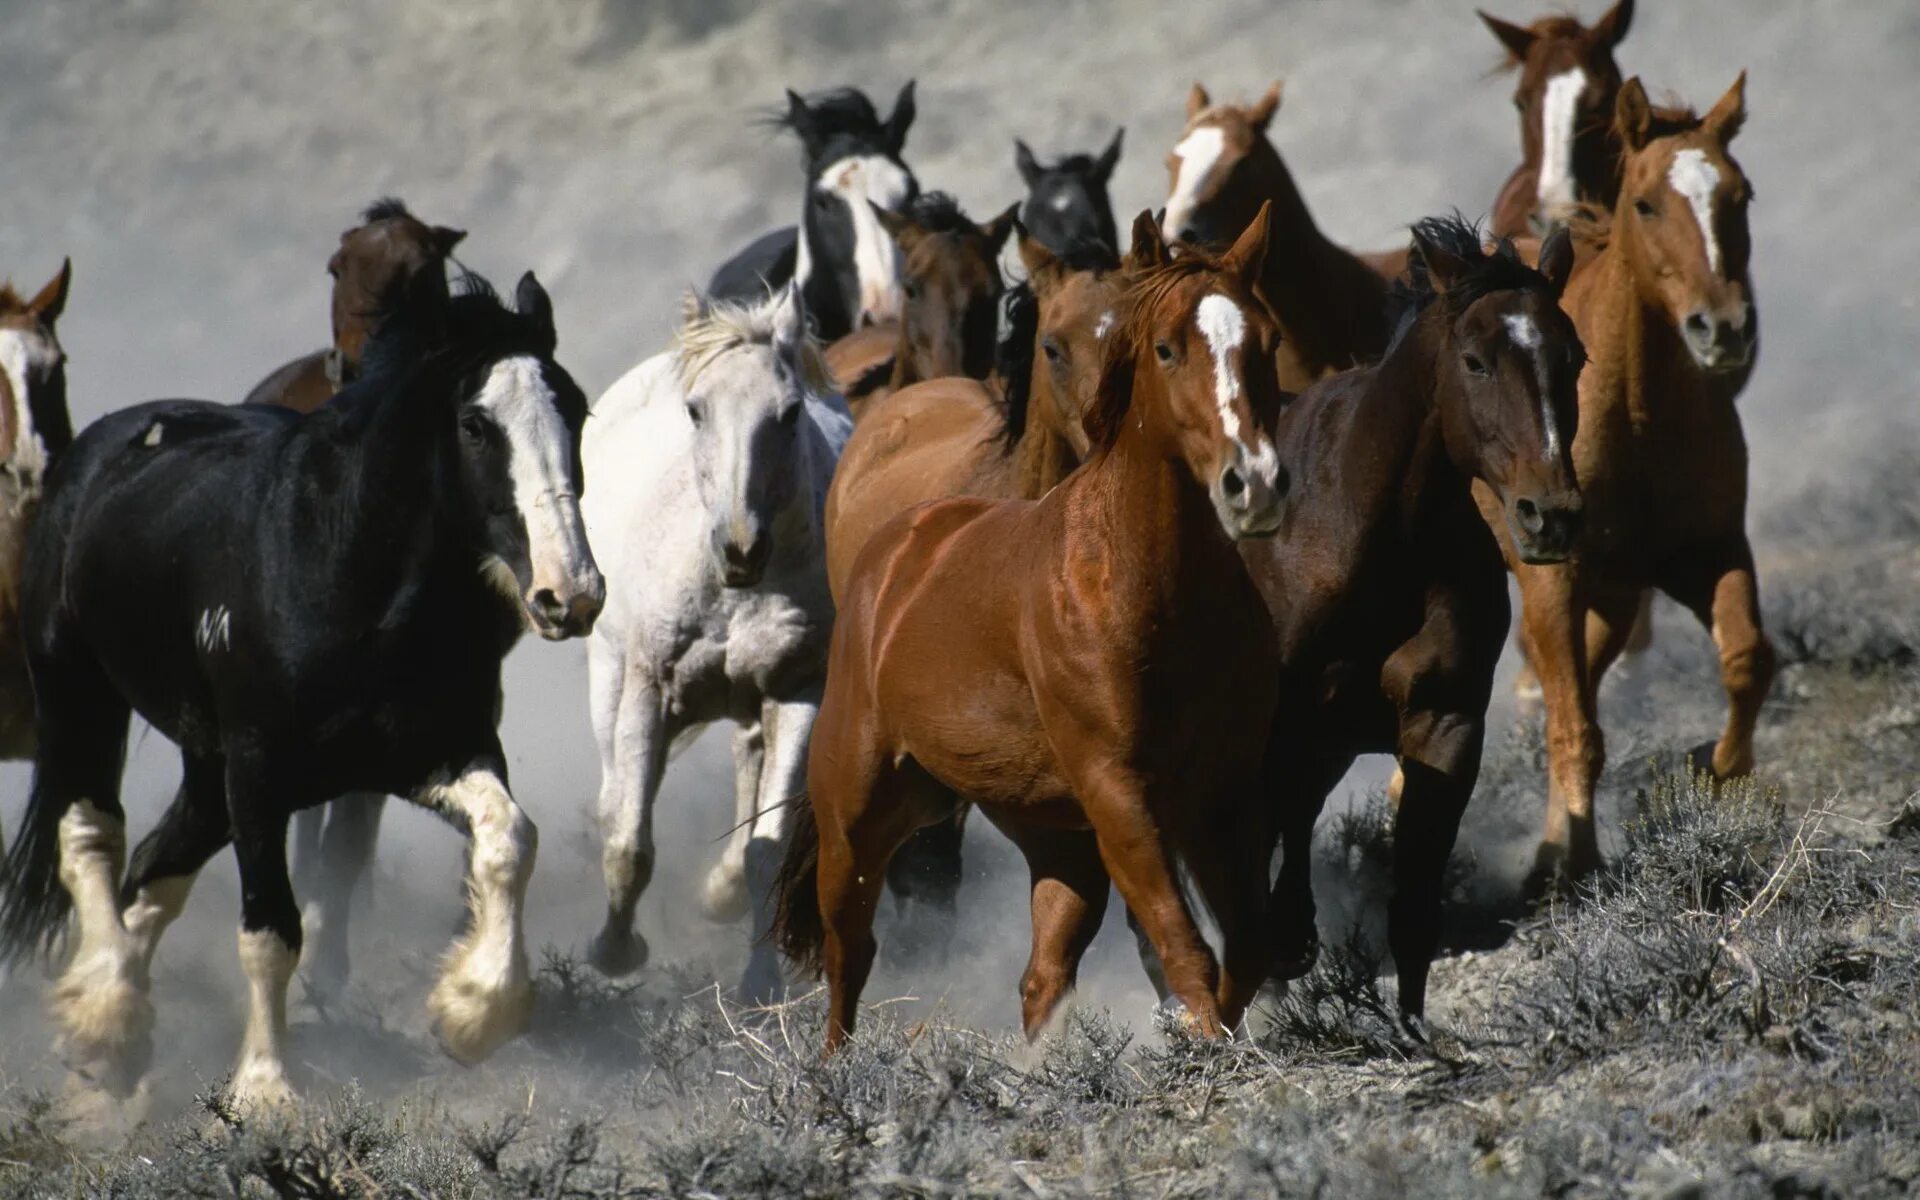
(1440, 755)
(631, 719)
(1554, 617)
(269, 938)
(485, 993)
(1231, 864)
(345, 852)
(724, 898)
(1721, 590)
(788, 725)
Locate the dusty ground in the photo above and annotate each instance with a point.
(1732, 1013)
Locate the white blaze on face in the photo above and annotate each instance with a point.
(1199, 153)
(1695, 178)
(857, 182)
(517, 398)
(1103, 326)
(20, 352)
(1225, 327)
(1526, 336)
(1559, 111)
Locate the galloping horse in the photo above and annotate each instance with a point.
(950, 270)
(713, 461)
(840, 254)
(956, 437)
(1066, 205)
(1330, 304)
(306, 606)
(1093, 670)
(1565, 97)
(375, 267)
(34, 431)
(1666, 311)
(1387, 592)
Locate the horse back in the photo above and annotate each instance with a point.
(765, 264)
(301, 385)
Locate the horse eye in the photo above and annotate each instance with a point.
(913, 289)
(473, 425)
(693, 411)
(1643, 207)
(1473, 364)
(1164, 351)
(1052, 351)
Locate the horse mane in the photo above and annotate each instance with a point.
(386, 208)
(1013, 350)
(939, 212)
(842, 110)
(1498, 270)
(476, 320)
(1592, 224)
(712, 328)
(1148, 287)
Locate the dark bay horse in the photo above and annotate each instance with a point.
(1067, 205)
(950, 273)
(1665, 307)
(1386, 589)
(1093, 670)
(35, 430)
(1565, 98)
(1330, 304)
(306, 606)
(839, 253)
(375, 266)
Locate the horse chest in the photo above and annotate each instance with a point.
(758, 642)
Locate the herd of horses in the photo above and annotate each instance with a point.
(1133, 556)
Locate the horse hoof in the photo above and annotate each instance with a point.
(724, 898)
(616, 954)
(257, 1091)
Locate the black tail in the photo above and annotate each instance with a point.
(798, 930)
(35, 907)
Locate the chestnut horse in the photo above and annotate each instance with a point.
(1387, 592)
(1665, 309)
(950, 272)
(1330, 304)
(372, 270)
(1093, 670)
(1565, 97)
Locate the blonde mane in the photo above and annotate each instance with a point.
(712, 328)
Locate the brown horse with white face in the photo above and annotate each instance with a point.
(1665, 308)
(1330, 304)
(373, 271)
(1093, 670)
(1565, 98)
(950, 273)
(34, 429)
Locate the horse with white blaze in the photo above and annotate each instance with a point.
(713, 460)
(305, 606)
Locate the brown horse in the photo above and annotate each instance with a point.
(1666, 311)
(950, 272)
(1093, 670)
(957, 437)
(1331, 304)
(34, 429)
(1565, 97)
(1387, 592)
(372, 270)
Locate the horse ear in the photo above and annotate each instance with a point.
(1611, 29)
(898, 225)
(1556, 259)
(1248, 258)
(531, 300)
(1041, 264)
(800, 120)
(1197, 101)
(1024, 160)
(692, 306)
(1518, 39)
(1110, 157)
(1725, 118)
(1263, 109)
(789, 319)
(1632, 115)
(52, 300)
(996, 230)
(1148, 249)
(1444, 267)
(902, 118)
(446, 239)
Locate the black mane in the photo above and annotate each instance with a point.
(476, 324)
(386, 208)
(939, 212)
(1488, 272)
(839, 112)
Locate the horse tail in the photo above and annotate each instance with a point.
(798, 930)
(34, 908)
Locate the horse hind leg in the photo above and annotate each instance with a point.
(724, 897)
(167, 860)
(270, 936)
(788, 726)
(344, 851)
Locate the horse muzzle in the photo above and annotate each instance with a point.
(1250, 494)
(1720, 341)
(569, 613)
(1546, 528)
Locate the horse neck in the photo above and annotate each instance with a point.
(1328, 308)
(826, 306)
(1635, 354)
(1402, 418)
(906, 363)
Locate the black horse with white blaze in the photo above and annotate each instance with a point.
(1067, 205)
(844, 259)
(306, 606)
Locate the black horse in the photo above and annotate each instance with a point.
(841, 255)
(1066, 205)
(306, 606)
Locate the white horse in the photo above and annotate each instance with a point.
(710, 464)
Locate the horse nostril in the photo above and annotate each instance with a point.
(1528, 514)
(1189, 234)
(1232, 483)
(548, 605)
(1699, 325)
